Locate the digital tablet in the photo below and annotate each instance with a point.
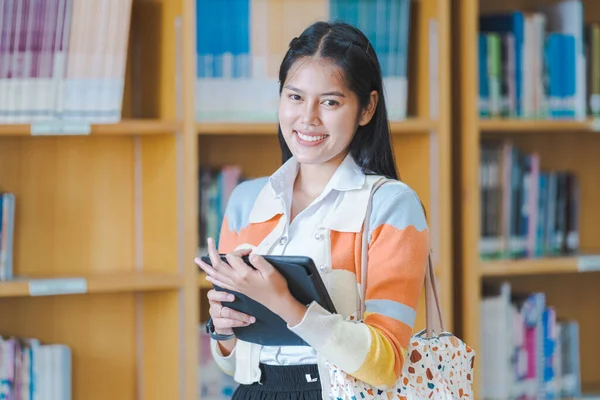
(305, 285)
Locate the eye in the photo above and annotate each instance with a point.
(331, 103)
(294, 97)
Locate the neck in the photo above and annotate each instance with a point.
(312, 178)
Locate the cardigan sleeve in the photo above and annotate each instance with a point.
(374, 351)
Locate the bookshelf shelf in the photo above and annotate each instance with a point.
(93, 200)
(538, 266)
(101, 283)
(125, 127)
(536, 126)
(409, 126)
(591, 389)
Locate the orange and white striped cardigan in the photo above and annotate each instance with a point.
(373, 351)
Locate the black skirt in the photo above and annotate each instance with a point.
(289, 382)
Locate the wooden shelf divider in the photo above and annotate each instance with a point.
(540, 266)
(125, 127)
(100, 283)
(537, 126)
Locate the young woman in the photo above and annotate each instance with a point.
(335, 143)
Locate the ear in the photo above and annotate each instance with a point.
(368, 112)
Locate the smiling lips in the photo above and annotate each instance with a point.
(310, 139)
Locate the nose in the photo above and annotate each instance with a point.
(311, 114)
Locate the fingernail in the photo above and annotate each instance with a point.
(210, 241)
(230, 297)
(252, 320)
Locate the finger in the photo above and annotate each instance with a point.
(262, 266)
(230, 313)
(209, 269)
(216, 310)
(238, 265)
(242, 252)
(218, 264)
(213, 253)
(213, 273)
(221, 284)
(219, 296)
(226, 323)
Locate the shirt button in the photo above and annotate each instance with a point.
(283, 240)
(319, 236)
(323, 268)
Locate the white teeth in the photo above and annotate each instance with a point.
(310, 138)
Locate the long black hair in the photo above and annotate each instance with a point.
(349, 49)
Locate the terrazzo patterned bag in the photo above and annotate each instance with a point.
(438, 365)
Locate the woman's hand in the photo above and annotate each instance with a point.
(224, 318)
(263, 284)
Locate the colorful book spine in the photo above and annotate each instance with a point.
(528, 351)
(526, 211)
(241, 43)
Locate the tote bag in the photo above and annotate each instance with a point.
(438, 364)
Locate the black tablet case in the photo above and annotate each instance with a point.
(305, 285)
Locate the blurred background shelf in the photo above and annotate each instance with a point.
(538, 126)
(540, 266)
(100, 283)
(125, 127)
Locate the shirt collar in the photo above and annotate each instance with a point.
(347, 177)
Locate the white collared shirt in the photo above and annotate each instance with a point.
(305, 229)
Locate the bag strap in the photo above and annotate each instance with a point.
(433, 309)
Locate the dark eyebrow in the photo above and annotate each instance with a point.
(334, 93)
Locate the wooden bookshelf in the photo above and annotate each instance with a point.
(561, 145)
(125, 127)
(92, 284)
(119, 207)
(536, 126)
(540, 266)
(109, 218)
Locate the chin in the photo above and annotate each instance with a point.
(309, 160)
(312, 159)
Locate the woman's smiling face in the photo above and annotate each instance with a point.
(318, 114)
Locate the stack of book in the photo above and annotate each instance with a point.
(32, 370)
(525, 211)
(527, 351)
(241, 43)
(543, 63)
(63, 60)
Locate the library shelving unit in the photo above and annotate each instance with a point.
(105, 231)
(568, 281)
(421, 141)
